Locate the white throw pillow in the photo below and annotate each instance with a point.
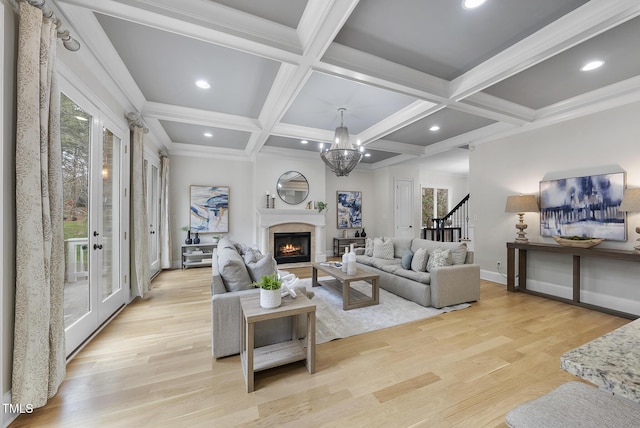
(419, 260)
(439, 257)
(368, 247)
(383, 249)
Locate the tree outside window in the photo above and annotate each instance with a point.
(435, 204)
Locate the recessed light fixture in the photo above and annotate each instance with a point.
(367, 155)
(202, 84)
(304, 142)
(472, 4)
(592, 65)
(208, 134)
(434, 128)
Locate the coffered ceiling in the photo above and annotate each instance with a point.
(418, 78)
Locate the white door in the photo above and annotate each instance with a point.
(92, 167)
(152, 172)
(404, 208)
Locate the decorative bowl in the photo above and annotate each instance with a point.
(577, 241)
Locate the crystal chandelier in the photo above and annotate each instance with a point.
(341, 157)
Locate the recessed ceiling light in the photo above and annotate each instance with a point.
(202, 84)
(592, 65)
(434, 128)
(304, 142)
(208, 134)
(367, 155)
(472, 4)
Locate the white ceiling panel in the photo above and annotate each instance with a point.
(317, 105)
(560, 78)
(451, 123)
(165, 67)
(285, 12)
(279, 70)
(195, 134)
(441, 38)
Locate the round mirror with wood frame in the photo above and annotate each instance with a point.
(293, 187)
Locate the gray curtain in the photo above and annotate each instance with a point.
(39, 361)
(141, 273)
(165, 230)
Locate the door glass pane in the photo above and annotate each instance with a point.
(110, 191)
(75, 135)
(443, 202)
(427, 207)
(153, 213)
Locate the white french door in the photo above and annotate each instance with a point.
(93, 152)
(152, 174)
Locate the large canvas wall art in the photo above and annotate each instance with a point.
(209, 209)
(583, 206)
(349, 205)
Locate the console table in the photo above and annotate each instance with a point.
(577, 253)
(339, 243)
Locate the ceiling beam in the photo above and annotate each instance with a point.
(589, 20)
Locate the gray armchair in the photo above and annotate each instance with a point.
(226, 319)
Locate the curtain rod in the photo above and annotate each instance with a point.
(67, 41)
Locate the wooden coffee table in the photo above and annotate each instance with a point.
(351, 298)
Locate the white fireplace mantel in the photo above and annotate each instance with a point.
(268, 217)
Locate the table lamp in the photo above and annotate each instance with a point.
(631, 203)
(521, 204)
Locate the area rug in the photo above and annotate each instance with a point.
(334, 323)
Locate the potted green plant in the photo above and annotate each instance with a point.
(321, 206)
(270, 296)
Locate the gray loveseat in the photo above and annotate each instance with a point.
(232, 273)
(439, 287)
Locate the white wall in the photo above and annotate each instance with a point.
(237, 175)
(513, 165)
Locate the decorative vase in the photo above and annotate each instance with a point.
(188, 241)
(357, 233)
(270, 299)
(196, 240)
(363, 233)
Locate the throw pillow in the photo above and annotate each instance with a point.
(233, 270)
(252, 255)
(383, 249)
(264, 267)
(439, 257)
(419, 261)
(406, 259)
(368, 247)
(459, 254)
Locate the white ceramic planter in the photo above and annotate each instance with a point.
(270, 299)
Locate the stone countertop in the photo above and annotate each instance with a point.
(611, 361)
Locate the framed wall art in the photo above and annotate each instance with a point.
(349, 209)
(209, 211)
(583, 206)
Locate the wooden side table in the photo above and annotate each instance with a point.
(266, 357)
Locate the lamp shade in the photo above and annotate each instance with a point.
(630, 201)
(521, 204)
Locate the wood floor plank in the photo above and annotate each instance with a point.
(152, 367)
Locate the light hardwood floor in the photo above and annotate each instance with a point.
(152, 367)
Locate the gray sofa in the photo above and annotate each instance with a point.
(226, 292)
(439, 287)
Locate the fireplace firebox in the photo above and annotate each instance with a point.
(292, 247)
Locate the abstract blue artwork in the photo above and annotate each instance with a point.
(349, 209)
(209, 209)
(583, 206)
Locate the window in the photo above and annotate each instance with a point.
(435, 204)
